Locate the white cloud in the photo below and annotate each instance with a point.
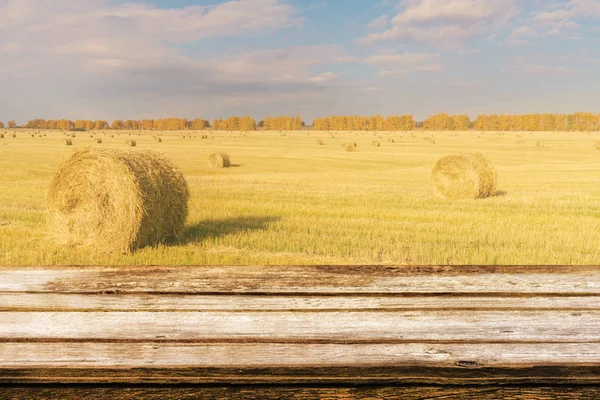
(398, 64)
(379, 23)
(445, 22)
(325, 76)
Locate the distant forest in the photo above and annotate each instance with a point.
(439, 122)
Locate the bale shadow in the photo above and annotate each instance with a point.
(235, 165)
(500, 193)
(214, 228)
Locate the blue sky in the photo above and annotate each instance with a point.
(109, 59)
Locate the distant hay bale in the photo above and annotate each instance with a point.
(520, 142)
(98, 140)
(539, 144)
(320, 142)
(391, 140)
(68, 142)
(1, 135)
(350, 146)
(131, 143)
(597, 146)
(375, 143)
(466, 176)
(219, 160)
(159, 140)
(117, 201)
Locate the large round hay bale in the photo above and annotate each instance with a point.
(131, 143)
(350, 146)
(117, 201)
(466, 176)
(375, 143)
(219, 160)
(68, 142)
(98, 140)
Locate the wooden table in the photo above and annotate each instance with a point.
(333, 332)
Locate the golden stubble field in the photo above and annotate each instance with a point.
(288, 200)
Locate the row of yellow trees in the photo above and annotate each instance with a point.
(438, 122)
(538, 122)
(281, 124)
(359, 123)
(235, 124)
(445, 122)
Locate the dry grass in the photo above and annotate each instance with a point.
(117, 201)
(467, 176)
(296, 203)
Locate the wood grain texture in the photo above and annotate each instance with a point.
(303, 326)
(299, 327)
(63, 302)
(397, 280)
(302, 393)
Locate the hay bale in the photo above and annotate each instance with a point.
(117, 201)
(159, 140)
(539, 144)
(520, 142)
(466, 176)
(1, 135)
(219, 160)
(350, 146)
(320, 142)
(597, 146)
(68, 142)
(391, 140)
(375, 143)
(98, 140)
(131, 143)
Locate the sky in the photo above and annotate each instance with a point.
(112, 59)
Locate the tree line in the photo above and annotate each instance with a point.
(438, 122)
(360, 123)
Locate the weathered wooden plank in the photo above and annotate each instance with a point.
(274, 355)
(518, 280)
(303, 393)
(326, 326)
(17, 301)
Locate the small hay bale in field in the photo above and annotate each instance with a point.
(466, 176)
(597, 146)
(539, 144)
(98, 140)
(219, 160)
(131, 143)
(68, 142)
(1, 135)
(117, 201)
(320, 142)
(159, 140)
(350, 146)
(391, 140)
(375, 143)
